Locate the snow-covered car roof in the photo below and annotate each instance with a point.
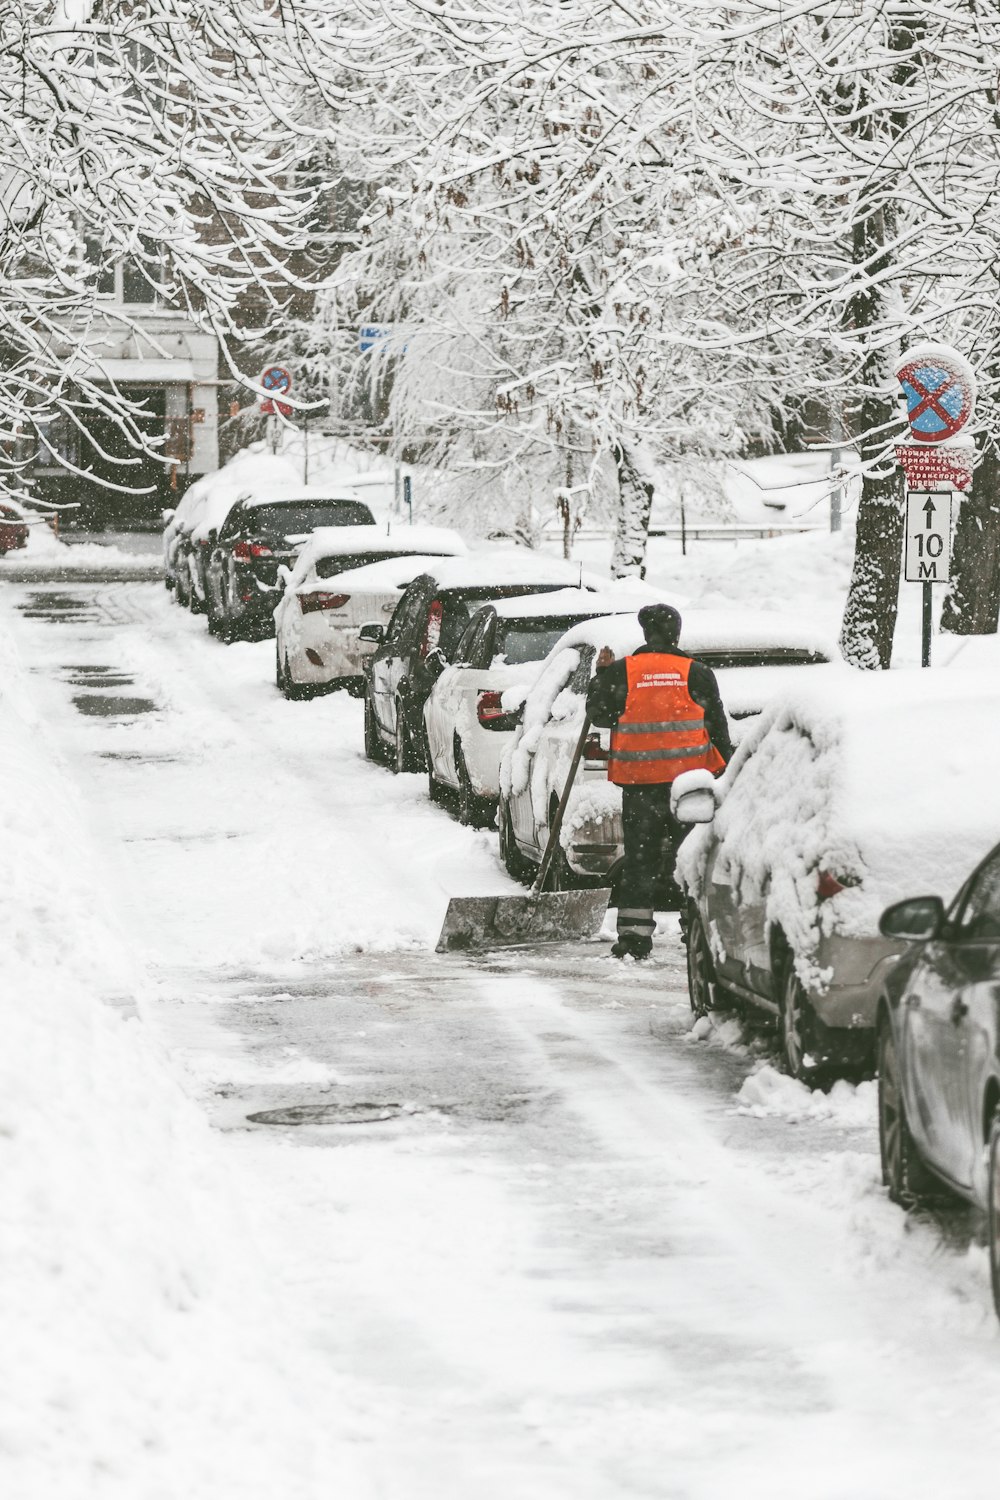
(392, 574)
(262, 493)
(565, 602)
(711, 630)
(404, 542)
(494, 567)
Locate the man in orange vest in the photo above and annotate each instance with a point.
(665, 716)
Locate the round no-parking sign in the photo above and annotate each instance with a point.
(940, 390)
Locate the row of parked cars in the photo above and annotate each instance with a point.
(846, 791)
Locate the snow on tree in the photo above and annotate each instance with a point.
(153, 132)
(534, 249)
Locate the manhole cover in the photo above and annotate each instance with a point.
(329, 1114)
(106, 705)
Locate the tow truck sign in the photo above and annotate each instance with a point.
(928, 536)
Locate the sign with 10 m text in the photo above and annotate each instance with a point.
(928, 536)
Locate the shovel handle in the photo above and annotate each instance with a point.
(557, 821)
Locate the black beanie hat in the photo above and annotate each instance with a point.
(660, 622)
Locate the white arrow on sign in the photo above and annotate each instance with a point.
(928, 536)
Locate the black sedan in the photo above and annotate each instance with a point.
(260, 533)
(939, 1051)
(420, 640)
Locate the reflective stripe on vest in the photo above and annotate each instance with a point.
(662, 731)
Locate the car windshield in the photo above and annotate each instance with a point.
(291, 517)
(329, 567)
(530, 640)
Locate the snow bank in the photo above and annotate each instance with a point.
(769, 1094)
(142, 1355)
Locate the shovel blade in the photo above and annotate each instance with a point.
(504, 921)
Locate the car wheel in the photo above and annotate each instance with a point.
(794, 1021)
(473, 811)
(700, 969)
(560, 876)
(517, 866)
(406, 758)
(374, 748)
(903, 1173)
(181, 591)
(993, 1211)
(435, 790)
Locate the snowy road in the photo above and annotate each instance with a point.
(558, 1247)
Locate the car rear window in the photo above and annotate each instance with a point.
(329, 567)
(531, 640)
(289, 517)
(764, 656)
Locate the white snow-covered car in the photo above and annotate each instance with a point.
(346, 577)
(755, 659)
(842, 799)
(468, 721)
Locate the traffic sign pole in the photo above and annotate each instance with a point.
(927, 554)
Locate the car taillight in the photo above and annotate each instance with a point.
(247, 551)
(593, 749)
(828, 885)
(432, 631)
(489, 707)
(310, 602)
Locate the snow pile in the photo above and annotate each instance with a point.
(768, 1094)
(539, 707)
(142, 1354)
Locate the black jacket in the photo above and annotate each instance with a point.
(608, 693)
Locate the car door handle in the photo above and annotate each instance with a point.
(959, 1009)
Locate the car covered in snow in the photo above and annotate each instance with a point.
(263, 532)
(467, 722)
(754, 658)
(938, 1048)
(840, 800)
(13, 527)
(421, 638)
(344, 578)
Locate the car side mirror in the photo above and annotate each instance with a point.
(697, 806)
(167, 515)
(692, 797)
(435, 662)
(373, 633)
(914, 921)
(284, 575)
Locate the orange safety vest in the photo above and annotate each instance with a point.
(662, 731)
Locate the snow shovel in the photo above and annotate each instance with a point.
(539, 917)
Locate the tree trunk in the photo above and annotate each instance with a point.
(635, 501)
(873, 598)
(972, 602)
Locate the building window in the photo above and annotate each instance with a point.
(128, 281)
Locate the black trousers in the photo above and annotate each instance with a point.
(651, 835)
